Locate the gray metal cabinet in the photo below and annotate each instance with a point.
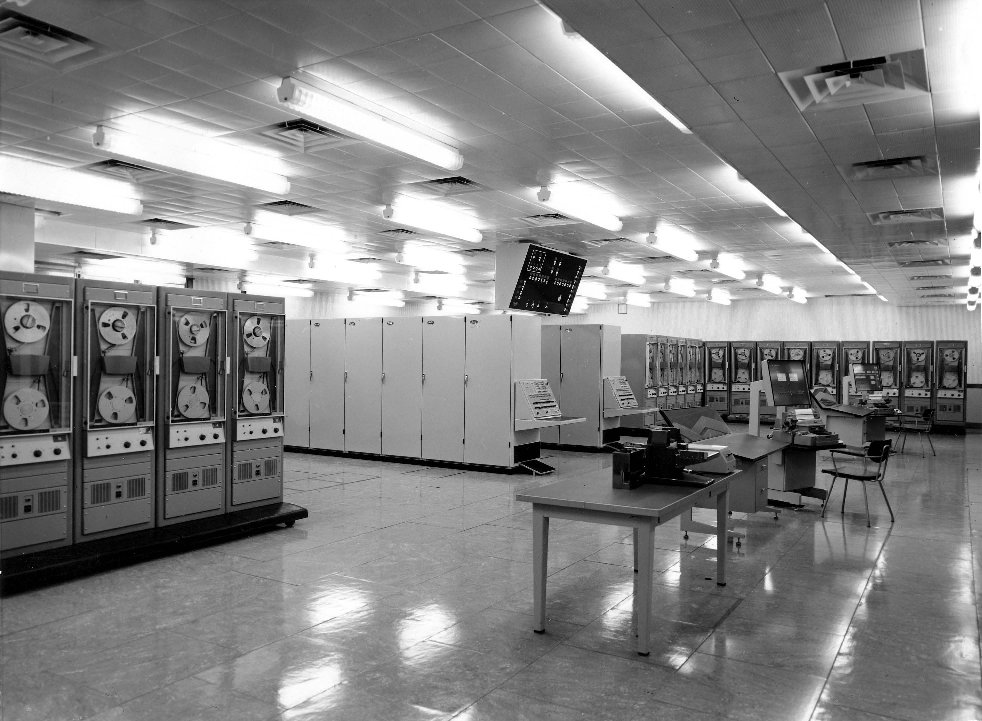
(326, 384)
(298, 384)
(402, 386)
(552, 372)
(443, 388)
(488, 419)
(363, 385)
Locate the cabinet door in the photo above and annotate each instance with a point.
(488, 419)
(443, 388)
(363, 385)
(296, 429)
(551, 372)
(402, 386)
(580, 389)
(326, 384)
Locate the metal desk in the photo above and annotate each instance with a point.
(642, 509)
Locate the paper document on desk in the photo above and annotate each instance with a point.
(723, 462)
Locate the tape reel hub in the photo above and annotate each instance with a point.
(117, 325)
(25, 409)
(255, 331)
(117, 404)
(26, 321)
(194, 328)
(193, 401)
(255, 397)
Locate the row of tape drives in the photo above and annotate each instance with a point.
(127, 407)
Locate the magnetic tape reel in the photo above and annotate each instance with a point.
(25, 409)
(193, 401)
(117, 325)
(194, 328)
(26, 321)
(117, 404)
(255, 397)
(255, 331)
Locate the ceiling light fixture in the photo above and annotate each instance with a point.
(582, 202)
(388, 298)
(453, 285)
(432, 217)
(771, 283)
(325, 239)
(847, 268)
(673, 240)
(870, 288)
(580, 305)
(881, 297)
(214, 245)
(720, 296)
(592, 289)
(681, 286)
(427, 256)
(135, 270)
(729, 265)
(636, 298)
(269, 286)
(196, 155)
(625, 272)
(344, 272)
(355, 120)
(798, 295)
(72, 187)
(456, 308)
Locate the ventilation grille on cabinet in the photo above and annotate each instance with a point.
(100, 493)
(288, 207)
(305, 136)
(243, 471)
(180, 481)
(8, 507)
(209, 476)
(895, 217)
(136, 487)
(49, 501)
(29, 39)
(271, 466)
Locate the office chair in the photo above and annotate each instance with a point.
(872, 469)
(919, 424)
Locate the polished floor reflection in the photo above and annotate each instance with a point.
(407, 595)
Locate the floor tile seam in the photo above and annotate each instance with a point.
(975, 551)
(78, 684)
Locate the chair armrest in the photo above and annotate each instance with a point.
(847, 452)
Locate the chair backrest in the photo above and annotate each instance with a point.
(878, 451)
(928, 415)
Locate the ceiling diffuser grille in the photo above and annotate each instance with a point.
(913, 243)
(288, 207)
(548, 219)
(897, 217)
(454, 185)
(165, 224)
(127, 171)
(41, 42)
(306, 136)
(911, 166)
(924, 263)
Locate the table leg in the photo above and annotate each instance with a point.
(722, 508)
(644, 548)
(635, 549)
(540, 562)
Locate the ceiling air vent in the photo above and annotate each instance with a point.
(454, 185)
(397, 231)
(913, 243)
(924, 263)
(548, 219)
(29, 39)
(929, 287)
(288, 207)
(931, 277)
(724, 281)
(306, 136)
(474, 251)
(127, 171)
(859, 82)
(911, 166)
(165, 224)
(940, 295)
(897, 217)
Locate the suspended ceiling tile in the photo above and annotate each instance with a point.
(474, 36)
(433, 14)
(654, 52)
(733, 67)
(675, 17)
(757, 97)
(734, 136)
(633, 24)
(662, 80)
(113, 35)
(894, 108)
(899, 123)
(866, 31)
(780, 130)
(715, 42)
(800, 39)
(144, 15)
(195, 9)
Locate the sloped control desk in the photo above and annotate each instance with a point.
(594, 501)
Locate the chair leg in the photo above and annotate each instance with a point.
(932, 444)
(866, 500)
(845, 490)
(884, 492)
(828, 496)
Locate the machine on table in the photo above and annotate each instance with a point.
(35, 416)
(192, 436)
(115, 458)
(861, 421)
(785, 386)
(661, 457)
(255, 445)
(949, 394)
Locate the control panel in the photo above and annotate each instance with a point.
(113, 441)
(539, 395)
(258, 428)
(621, 391)
(21, 450)
(195, 434)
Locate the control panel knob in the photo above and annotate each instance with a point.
(57, 451)
(143, 442)
(265, 430)
(126, 444)
(202, 437)
(275, 429)
(214, 435)
(37, 453)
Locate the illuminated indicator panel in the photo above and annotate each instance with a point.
(547, 282)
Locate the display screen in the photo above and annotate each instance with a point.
(547, 282)
(789, 387)
(866, 377)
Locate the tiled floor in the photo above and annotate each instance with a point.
(407, 595)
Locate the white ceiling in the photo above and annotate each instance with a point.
(499, 80)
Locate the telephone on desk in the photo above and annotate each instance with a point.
(662, 458)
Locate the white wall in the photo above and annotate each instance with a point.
(819, 319)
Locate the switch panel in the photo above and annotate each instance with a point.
(21, 450)
(258, 428)
(111, 442)
(196, 434)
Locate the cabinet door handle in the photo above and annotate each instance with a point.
(465, 379)
(383, 376)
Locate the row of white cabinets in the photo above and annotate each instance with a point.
(437, 388)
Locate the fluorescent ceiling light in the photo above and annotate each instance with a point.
(198, 156)
(870, 288)
(772, 205)
(642, 300)
(72, 187)
(280, 228)
(720, 296)
(770, 283)
(580, 305)
(221, 246)
(881, 297)
(681, 286)
(580, 201)
(592, 289)
(729, 265)
(673, 240)
(388, 298)
(452, 285)
(798, 295)
(847, 268)
(268, 287)
(354, 120)
(344, 272)
(436, 218)
(427, 256)
(135, 270)
(455, 308)
(624, 271)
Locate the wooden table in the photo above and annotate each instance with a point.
(594, 501)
